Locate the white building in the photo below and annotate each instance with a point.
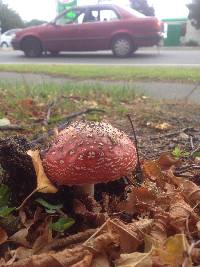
(192, 34)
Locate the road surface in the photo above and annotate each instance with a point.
(150, 56)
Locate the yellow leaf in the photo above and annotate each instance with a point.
(44, 185)
(173, 252)
(135, 259)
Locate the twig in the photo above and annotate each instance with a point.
(30, 195)
(191, 142)
(173, 133)
(63, 123)
(96, 232)
(47, 118)
(189, 252)
(139, 169)
(191, 92)
(67, 241)
(11, 128)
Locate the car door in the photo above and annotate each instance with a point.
(97, 28)
(62, 35)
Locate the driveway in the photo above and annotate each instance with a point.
(149, 57)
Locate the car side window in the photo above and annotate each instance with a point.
(71, 17)
(91, 16)
(108, 15)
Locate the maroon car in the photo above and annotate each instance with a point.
(91, 28)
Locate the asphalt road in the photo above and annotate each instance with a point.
(150, 56)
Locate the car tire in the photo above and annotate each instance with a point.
(32, 47)
(4, 45)
(122, 46)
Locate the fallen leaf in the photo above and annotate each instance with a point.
(173, 252)
(49, 208)
(153, 172)
(20, 237)
(62, 224)
(5, 122)
(180, 213)
(135, 259)
(44, 185)
(159, 126)
(159, 227)
(135, 196)
(132, 234)
(166, 160)
(3, 236)
(101, 261)
(44, 239)
(184, 136)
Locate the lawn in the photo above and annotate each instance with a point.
(28, 105)
(126, 73)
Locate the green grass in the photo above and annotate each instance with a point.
(127, 73)
(27, 105)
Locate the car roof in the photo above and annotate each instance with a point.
(97, 6)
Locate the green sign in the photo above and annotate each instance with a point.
(64, 5)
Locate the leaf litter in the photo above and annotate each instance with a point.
(124, 225)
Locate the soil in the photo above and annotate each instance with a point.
(182, 129)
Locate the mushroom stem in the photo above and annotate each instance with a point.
(88, 189)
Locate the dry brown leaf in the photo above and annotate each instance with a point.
(136, 195)
(44, 185)
(79, 207)
(85, 262)
(153, 172)
(135, 259)
(159, 227)
(190, 190)
(159, 126)
(101, 261)
(172, 253)
(38, 215)
(181, 213)
(20, 237)
(44, 239)
(79, 256)
(195, 255)
(132, 234)
(22, 253)
(67, 257)
(166, 160)
(101, 242)
(3, 236)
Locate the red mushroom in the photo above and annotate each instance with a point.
(86, 153)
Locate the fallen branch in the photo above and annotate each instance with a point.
(48, 115)
(67, 241)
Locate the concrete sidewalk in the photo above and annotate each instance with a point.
(157, 90)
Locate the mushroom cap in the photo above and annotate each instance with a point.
(88, 153)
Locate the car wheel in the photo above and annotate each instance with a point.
(122, 46)
(4, 45)
(32, 47)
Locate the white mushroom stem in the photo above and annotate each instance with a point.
(88, 189)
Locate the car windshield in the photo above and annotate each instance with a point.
(133, 11)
